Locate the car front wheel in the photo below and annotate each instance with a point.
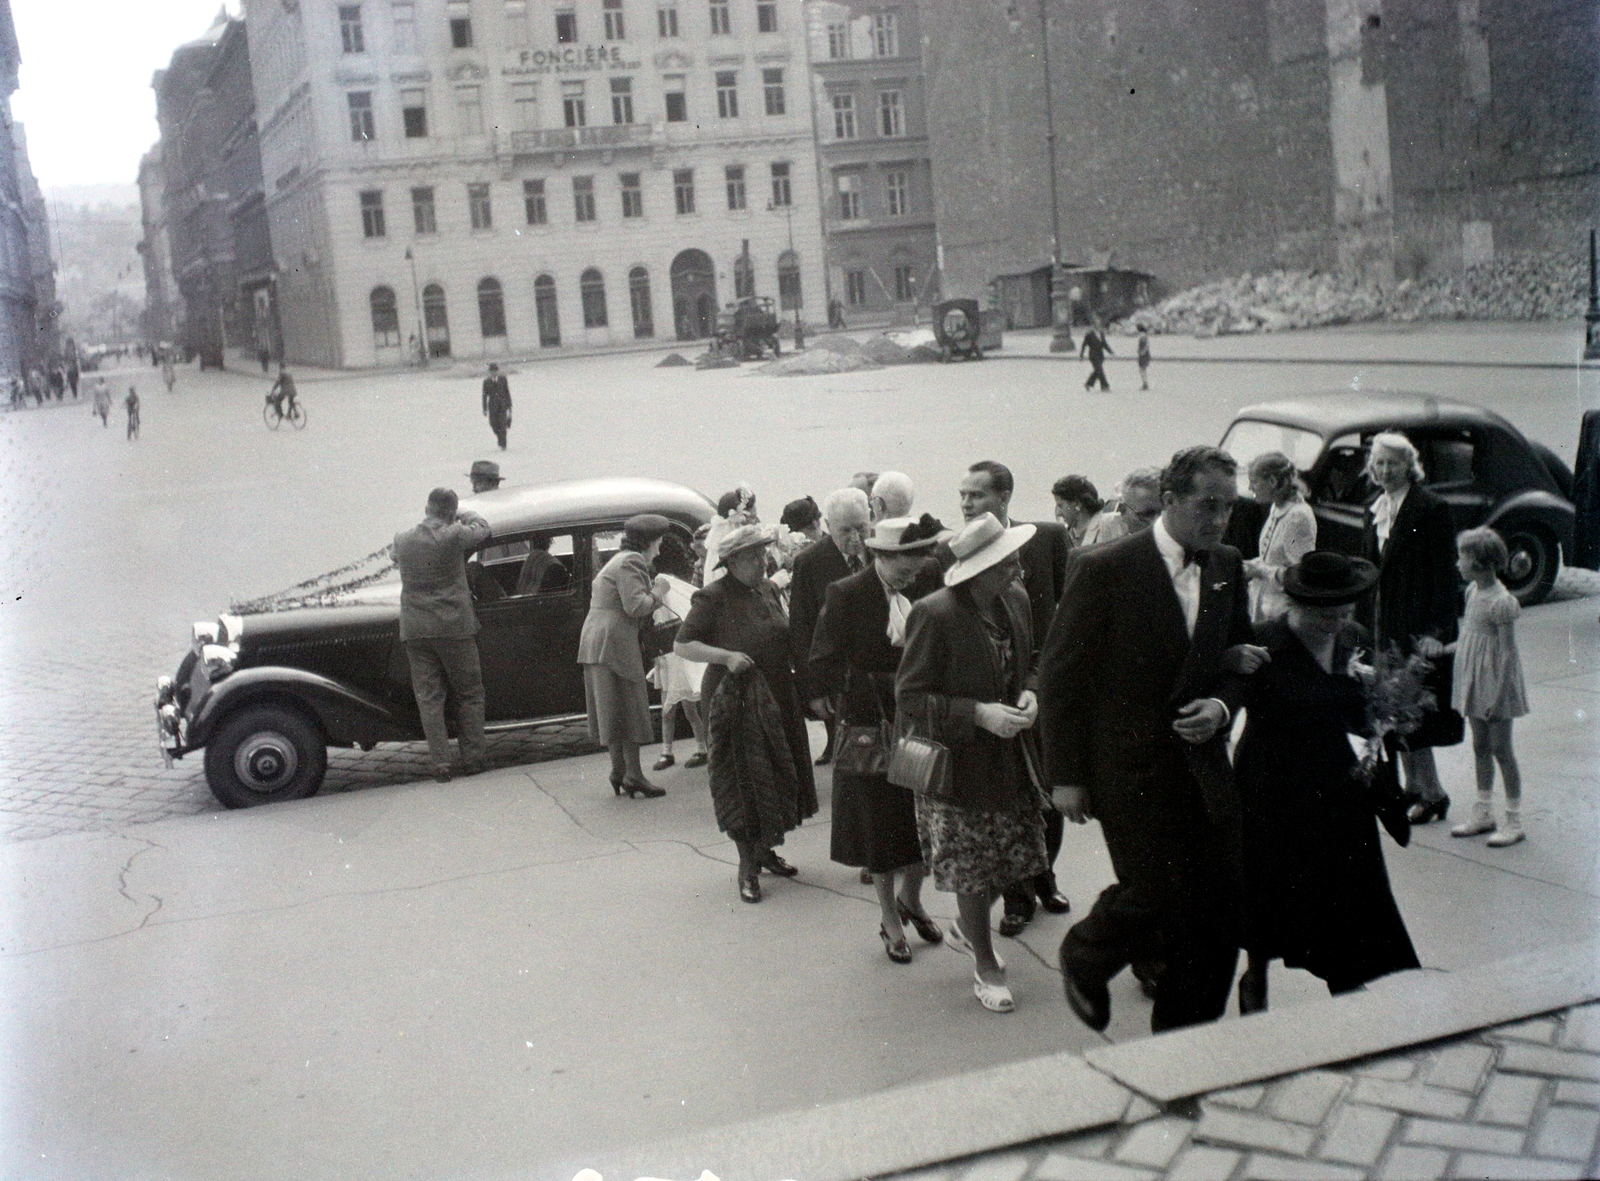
(1535, 558)
(264, 754)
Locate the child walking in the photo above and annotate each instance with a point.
(1488, 687)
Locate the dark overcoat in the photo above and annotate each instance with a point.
(1044, 574)
(851, 649)
(815, 567)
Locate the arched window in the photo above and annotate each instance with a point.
(385, 318)
(592, 287)
(639, 297)
(789, 281)
(544, 303)
(436, 320)
(491, 308)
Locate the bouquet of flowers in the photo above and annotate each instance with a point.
(1398, 697)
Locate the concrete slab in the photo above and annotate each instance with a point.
(1413, 1008)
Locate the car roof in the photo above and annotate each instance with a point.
(583, 502)
(1336, 413)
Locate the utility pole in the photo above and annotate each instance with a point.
(1591, 318)
(416, 297)
(1060, 298)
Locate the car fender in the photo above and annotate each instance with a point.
(1544, 507)
(347, 717)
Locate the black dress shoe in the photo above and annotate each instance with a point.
(1013, 924)
(1052, 899)
(1090, 1000)
(750, 889)
(774, 864)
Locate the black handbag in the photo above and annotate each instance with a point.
(657, 638)
(922, 766)
(864, 750)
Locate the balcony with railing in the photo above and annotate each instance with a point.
(567, 139)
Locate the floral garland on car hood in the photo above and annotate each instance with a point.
(325, 590)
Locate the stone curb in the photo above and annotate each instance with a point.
(924, 1124)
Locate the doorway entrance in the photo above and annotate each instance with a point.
(436, 320)
(694, 295)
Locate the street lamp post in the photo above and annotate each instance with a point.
(1060, 298)
(416, 298)
(788, 217)
(1591, 318)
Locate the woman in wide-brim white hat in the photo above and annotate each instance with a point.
(965, 681)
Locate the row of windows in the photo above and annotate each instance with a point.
(536, 210)
(891, 115)
(883, 37)
(896, 194)
(855, 285)
(385, 309)
(575, 105)
(613, 26)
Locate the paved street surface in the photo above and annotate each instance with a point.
(113, 548)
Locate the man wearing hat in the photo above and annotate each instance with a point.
(485, 476)
(1135, 708)
(497, 403)
(439, 628)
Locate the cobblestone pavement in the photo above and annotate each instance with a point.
(1519, 1101)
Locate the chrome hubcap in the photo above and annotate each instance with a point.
(1521, 564)
(266, 761)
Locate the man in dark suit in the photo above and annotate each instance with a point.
(987, 488)
(841, 553)
(1135, 707)
(497, 403)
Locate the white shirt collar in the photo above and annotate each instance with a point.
(1171, 551)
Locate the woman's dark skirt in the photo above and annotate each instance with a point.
(874, 823)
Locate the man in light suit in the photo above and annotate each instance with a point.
(1135, 707)
(439, 627)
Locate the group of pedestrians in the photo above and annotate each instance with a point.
(985, 683)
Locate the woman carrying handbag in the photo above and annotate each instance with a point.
(965, 684)
(855, 652)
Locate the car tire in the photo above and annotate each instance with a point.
(1535, 560)
(264, 754)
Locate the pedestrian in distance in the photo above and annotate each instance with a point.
(1487, 682)
(497, 403)
(440, 629)
(1144, 357)
(1095, 346)
(167, 374)
(131, 404)
(622, 596)
(1140, 678)
(761, 780)
(102, 401)
(1288, 534)
(966, 681)
(485, 476)
(855, 653)
(264, 355)
(72, 367)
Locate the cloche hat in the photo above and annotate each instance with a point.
(984, 542)
(1325, 579)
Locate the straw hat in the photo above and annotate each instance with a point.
(898, 535)
(1326, 579)
(984, 542)
(741, 538)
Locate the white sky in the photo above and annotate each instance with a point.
(85, 97)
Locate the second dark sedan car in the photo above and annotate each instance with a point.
(264, 695)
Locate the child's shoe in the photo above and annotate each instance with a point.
(1480, 822)
(1508, 833)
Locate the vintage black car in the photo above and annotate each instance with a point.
(1487, 471)
(264, 695)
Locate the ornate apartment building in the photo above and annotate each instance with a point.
(872, 151)
(479, 178)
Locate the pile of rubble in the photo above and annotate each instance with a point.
(838, 353)
(1549, 286)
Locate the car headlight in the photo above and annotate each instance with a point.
(229, 629)
(165, 692)
(217, 660)
(201, 634)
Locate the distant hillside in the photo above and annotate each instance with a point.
(95, 234)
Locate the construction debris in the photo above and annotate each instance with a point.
(672, 361)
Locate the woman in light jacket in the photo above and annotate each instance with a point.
(622, 596)
(1289, 533)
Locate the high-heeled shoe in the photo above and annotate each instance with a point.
(648, 790)
(927, 930)
(1427, 811)
(897, 950)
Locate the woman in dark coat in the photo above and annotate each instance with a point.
(1316, 889)
(761, 782)
(966, 680)
(1411, 539)
(855, 653)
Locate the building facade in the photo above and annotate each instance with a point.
(872, 152)
(481, 178)
(1244, 135)
(29, 336)
(159, 321)
(212, 206)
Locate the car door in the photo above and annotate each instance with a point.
(1450, 458)
(1340, 493)
(531, 594)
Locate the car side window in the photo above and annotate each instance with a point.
(1344, 478)
(604, 544)
(1447, 459)
(520, 567)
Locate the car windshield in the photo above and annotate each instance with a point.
(1250, 437)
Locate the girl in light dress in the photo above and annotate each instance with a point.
(1488, 685)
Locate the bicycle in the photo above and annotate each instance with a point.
(274, 414)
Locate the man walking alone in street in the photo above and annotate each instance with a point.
(439, 627)
(1095, 346)
(497, 403)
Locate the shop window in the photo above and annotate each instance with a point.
(385, 318)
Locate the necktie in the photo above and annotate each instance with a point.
(1196, 556)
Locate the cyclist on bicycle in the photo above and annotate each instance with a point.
(282, 393)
